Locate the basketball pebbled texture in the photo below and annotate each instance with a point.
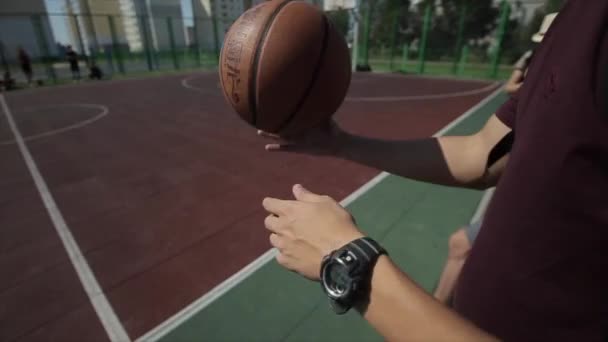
(284, 67)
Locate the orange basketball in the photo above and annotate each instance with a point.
(284, 67)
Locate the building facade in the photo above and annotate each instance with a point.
(18, 28)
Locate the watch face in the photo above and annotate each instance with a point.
(337, 280)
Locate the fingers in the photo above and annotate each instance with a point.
(276, 147)
(283, 261)
(275, 206)
(271, 222)
(267, 135)
(288, 147)
(277, 242)
(302, 194)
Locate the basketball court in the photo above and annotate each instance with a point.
(132, 209)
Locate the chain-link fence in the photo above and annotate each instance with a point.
(466, 38)
(115, 44)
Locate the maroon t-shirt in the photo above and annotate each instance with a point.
(538, 270)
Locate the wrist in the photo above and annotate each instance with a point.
(346, 273)
(344, 240)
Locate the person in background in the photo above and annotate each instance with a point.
(95, 71)
(26, 64)
(460, 242)
(7, 82)
(72, 58)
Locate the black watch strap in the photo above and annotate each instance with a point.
(367, 248)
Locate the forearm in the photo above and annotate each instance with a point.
(451, 161)
(401, 311)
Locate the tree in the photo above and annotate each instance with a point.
(340, 19)
(552, 6)
(383, 28)
(523, 38)
(479, 21)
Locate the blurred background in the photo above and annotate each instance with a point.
(463, 38)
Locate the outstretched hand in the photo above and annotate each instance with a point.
(323, 139)
(306, 229)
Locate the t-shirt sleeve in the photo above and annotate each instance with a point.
(507, 112)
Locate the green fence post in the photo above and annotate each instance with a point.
(196, 47)
(43, 46)
(115, 45)
(367, 19)
(354, 19)
(216, 38)
(404, 58)
(79, 37)
(464, 55)
(172, 42)
(5, 66)
(463, 14)
(147, 45)
(86, 8)
(500, 35)
(94, 44)
(394, 38)
(425, 34)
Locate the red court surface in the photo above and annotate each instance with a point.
(161, 185)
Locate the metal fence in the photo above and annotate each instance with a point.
(467, 38)
(118, 45)
(476, 39)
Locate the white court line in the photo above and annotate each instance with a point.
(483, 205)
(427, 77)
(422, 97)
(201, 303)
(186, 84)
(104, 112)
(106, 314)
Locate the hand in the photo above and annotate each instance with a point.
(306, 229)
(512, 88)
(323, 139)
(515, 82)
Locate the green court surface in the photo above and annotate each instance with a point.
(413, 220)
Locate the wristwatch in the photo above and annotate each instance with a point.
(346, 273)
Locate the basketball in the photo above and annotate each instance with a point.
(284, 67)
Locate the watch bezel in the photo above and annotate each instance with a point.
(357, 259)
(327, 282)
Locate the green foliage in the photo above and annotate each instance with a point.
(518, 40)
(395, 23)
(383, 28)
(554, 5)
(340, 20)
(480, 20)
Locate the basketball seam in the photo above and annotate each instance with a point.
(253, 80)
(315, 75)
